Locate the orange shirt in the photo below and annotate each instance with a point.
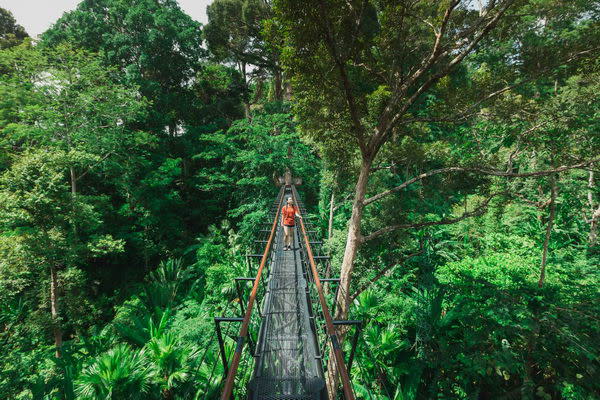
(288, 213)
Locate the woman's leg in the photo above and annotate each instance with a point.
(286, 235)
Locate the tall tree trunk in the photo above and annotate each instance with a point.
(593, 236)
(353, 240)
(146, 244)
(352, 243)
(287, 90)
(332, 377)
(595, 211)
(246, 110)
(549, 225)
(532, 369)
(329, 235)
(242, 67)
(54, 310)
(260, 85)
(278, 85)
(73, 181)
(331, 206)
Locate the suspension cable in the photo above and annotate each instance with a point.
(337, 350)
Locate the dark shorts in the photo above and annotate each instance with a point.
(289, 226)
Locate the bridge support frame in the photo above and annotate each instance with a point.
(218, 321)
(358, 324)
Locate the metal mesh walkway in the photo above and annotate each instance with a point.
(288, 364)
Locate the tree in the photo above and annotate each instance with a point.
(593, 217)
(71, 116)
(11, 33)
(330, 56)
(370, 76)
(46, 227)
(238, 165)
(172, 362)
(154, 44)
(83, 107)
(234, 33)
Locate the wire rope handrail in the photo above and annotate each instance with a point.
(337, 350)
(230, 380)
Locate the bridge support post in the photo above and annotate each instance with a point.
(241, 294)
(359, 325)
(218, 321)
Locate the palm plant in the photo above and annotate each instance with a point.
(380, 355)
(209, 372)
(120, 373)
(165, 282)
(137, 326)
(69, 364)
(365, 306)
(172, 362)
(379, 362)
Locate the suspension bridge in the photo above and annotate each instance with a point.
(288, 336)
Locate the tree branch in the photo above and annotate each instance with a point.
(385, 126)
(479, 210)
(384, 271)
(484, 171)
(348, 196)
(350, 100)
(92, 166)
(435, 51)
(472, 110)
(539, 204)
(591, 185)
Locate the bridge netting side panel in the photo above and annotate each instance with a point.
(288, 365)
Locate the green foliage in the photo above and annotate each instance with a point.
(234, 31)
(119, 373)
(155, 45)
(494, 330)
(11, 33)
(467, 330)
(127, 168)
(171, 360)
(44, 226)
(241, 163)
(234, 34)
(50, 220)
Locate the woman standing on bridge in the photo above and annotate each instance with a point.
(288, 212)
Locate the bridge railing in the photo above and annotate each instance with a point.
(232, 368)
(332, 338)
